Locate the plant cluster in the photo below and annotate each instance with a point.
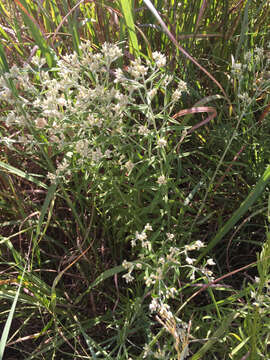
(116, 204)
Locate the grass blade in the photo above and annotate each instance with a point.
(73, 25)
(3, 60)
(244, 31)
(5, 333)
(49, 198)
(36, 32)
(246, 204)
(127, 12)
(22, 174)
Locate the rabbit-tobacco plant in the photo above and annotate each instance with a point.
(162, 267)
(88, 122)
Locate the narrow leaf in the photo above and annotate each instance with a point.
(127, 12)
(244, 207)
(5, 333)
(22, 174)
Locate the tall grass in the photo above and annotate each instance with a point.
(134, 184)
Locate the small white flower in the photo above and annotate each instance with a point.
(133, 243)
(128, 277)
(170, 236)
(119, 75)
(182, 87)
(152, 93)
(189, 260)
(162, 142)
(153, 305)
(159, 58)
(39, 62)
(165, 311)
(69, 154)
(148, 227)
(237, 68)
(82, 147)
(146, 245)
(97, 155)
(199, 244)
(248, 56)
(259, 52)
(11, 119)
(136, 69)
(149, 280)
(141, 236)
(62, 166)
(111, 51)
(41, 123)
(143, 130)
(244, 98)
(210, 262)
(207, 272)
(167, 80)
(129, 166)
(161, 260)
(61, 101)
(171, 292)
(161, 180)
(107, 153)
(126, 264)
(52, 177)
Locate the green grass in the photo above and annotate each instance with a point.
(134, 205)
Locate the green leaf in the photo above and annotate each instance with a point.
(128, 16)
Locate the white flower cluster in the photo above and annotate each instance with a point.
(67, 109)
(137, 70)
(161, 308)
(162, 142)
(130, 266)
(236, 68)
(142, 238)
(129, 166)
(85, 108)
(159, 59)
(197, 245)
(182, 87)
(245, 99)
(249, 78)
(162, 180)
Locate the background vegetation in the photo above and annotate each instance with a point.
(106, 260)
